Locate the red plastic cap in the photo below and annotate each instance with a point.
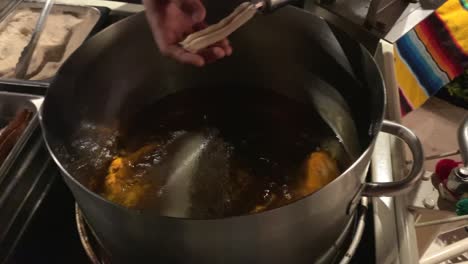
(444, 167)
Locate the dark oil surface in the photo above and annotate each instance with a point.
(205, 153)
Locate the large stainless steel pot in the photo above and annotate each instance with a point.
(120, 70)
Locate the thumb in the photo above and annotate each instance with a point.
(195, 8)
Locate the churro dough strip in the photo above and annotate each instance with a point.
(216, 26)
(216, 36)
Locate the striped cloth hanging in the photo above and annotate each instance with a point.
(432, 54)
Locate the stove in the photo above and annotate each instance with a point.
(53, 235)
(56, 232)
(53, 230)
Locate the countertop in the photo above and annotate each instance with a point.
(436, 124)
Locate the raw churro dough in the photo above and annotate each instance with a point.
(16, 32)
(217, 32)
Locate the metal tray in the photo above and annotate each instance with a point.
(94, 18)
(10, 104)
(28, 171)
(24, 87)
(23, 191)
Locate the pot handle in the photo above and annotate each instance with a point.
(401, 186)
(463, 140)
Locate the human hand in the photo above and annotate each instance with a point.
(172, 20)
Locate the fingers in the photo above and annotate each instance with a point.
(195, 8)
(212, 54)
(183, 56)
(152, 18)
(199, 26)
(208, 55)
(226, 46)
(167, 35)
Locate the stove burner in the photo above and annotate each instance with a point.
(97, 254)
(89, 240)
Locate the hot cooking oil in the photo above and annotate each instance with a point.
(210, 153)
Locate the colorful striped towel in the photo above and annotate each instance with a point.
(432, 54)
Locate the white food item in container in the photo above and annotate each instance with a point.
(57, 41)
(217, 32)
